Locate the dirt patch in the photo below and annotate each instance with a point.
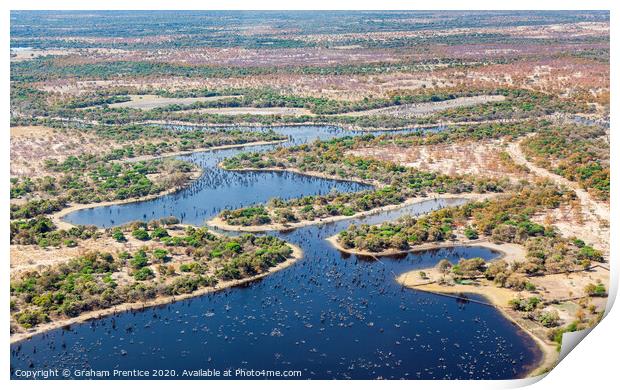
(32, 145)
(587, 219)
(255, 111)
(424, 109)
(475, 158)
(148, 102)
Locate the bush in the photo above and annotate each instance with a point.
(30, 318)
(139, 260)
(597, 290)
(141, 234)
(471, 233)
(549, 319)
(159, 233)
(524, 304)
(118, 235)
(144, 273)
(444, 266)
(160, 254)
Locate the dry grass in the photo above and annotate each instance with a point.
(476, 158)
(32, 145)
(148, 102)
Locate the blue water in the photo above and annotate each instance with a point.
(218, 189)
(330, 315)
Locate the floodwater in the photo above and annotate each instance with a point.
(330, 315)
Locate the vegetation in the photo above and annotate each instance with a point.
(578, 153)
(395, 183)
(92, 281)
(41, 231)
(505, 219)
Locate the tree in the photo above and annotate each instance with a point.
(444, 266)
(471, 233)
(139, 260)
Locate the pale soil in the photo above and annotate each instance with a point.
(217, 222)
(31, 53)
(593, 221)
(148, 102)
(222, 285)
(32, 145)
(33, 257)
(566, 288)
(424, 109)
(254, 111)
(469, 157)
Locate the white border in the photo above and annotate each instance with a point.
(591, 365)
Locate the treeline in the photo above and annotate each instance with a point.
(43, 232)
(49, 68)
(578, 153)
(91, 282)
(86, 179)
(81, 102)
(504, 219)
(519, 104)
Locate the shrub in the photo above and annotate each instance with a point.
(141, 234)
(471, 233)
(118, 235)
(139, 260)
(160, 254)
(597, 290)
(549, 319)
(159, 233)
(144, 273)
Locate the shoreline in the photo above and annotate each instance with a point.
(549, 354)
(506, 251)
(57, 217)
(297, 255)
(343, 126)
(219, 223)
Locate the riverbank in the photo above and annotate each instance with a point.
(498, 297)
(337, 124)
(58, 216)
(341, 125)
(219, 223)
(508, 252)
(97, 314)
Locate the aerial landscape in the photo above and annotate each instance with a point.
(305, 194)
